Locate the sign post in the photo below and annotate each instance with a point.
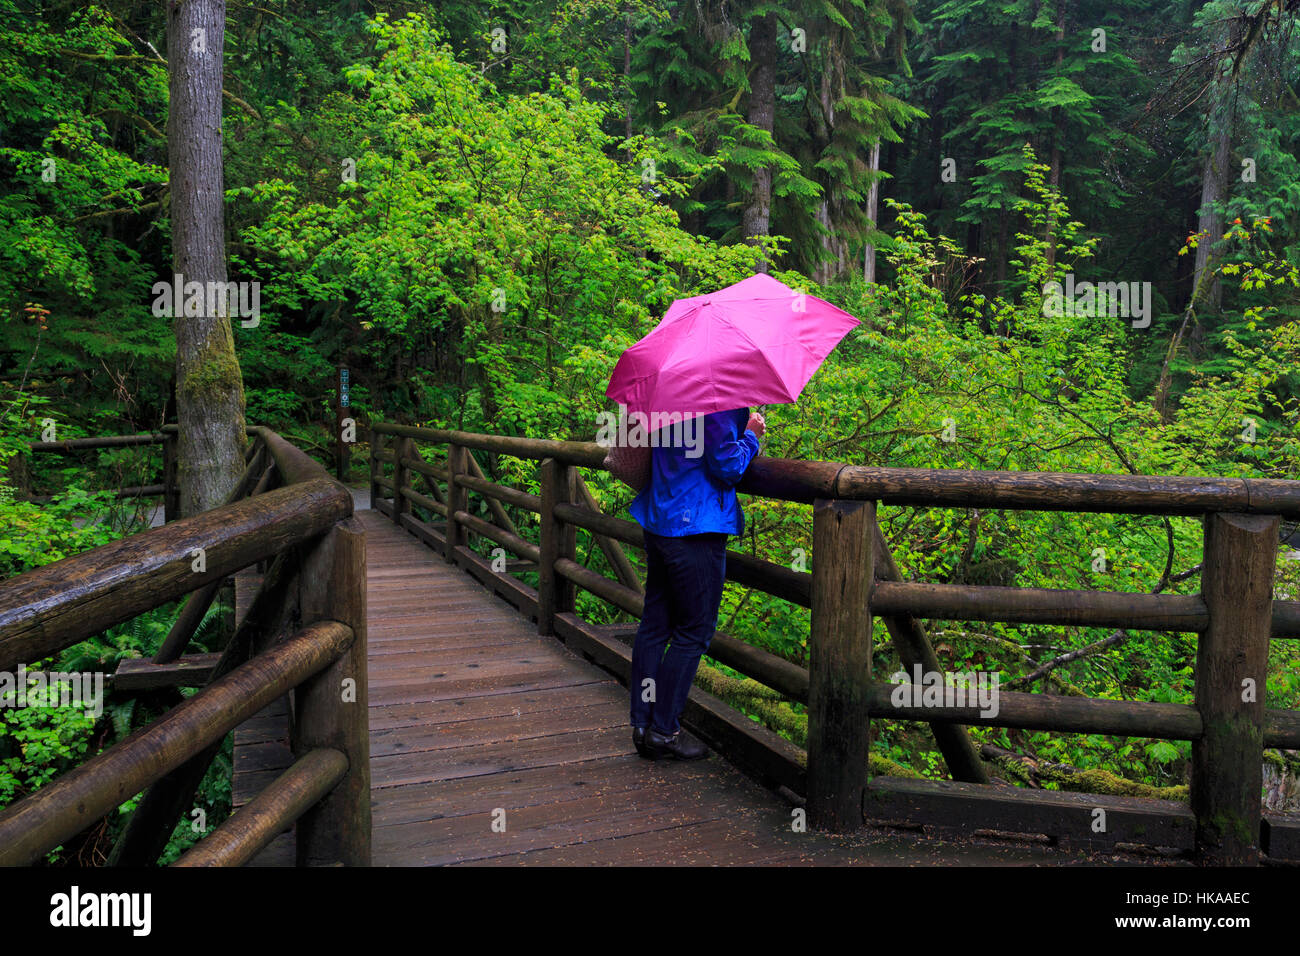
(342, 401)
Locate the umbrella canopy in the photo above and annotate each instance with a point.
(757, 342)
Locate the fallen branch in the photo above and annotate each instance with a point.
(1034, 773)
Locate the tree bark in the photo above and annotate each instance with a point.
(210, 387)
(873, 211)
(627, 68)
(1207, 292)
(762, 113)
(1058, 134)
(834, 252)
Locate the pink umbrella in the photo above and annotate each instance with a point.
(757, 342)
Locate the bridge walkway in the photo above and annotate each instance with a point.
(490, 744)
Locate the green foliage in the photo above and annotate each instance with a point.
(82, 125)
(1037, 393)
(494, 224)
(480, 232)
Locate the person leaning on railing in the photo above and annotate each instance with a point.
(686, 510)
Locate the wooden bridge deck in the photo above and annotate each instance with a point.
(473, 713)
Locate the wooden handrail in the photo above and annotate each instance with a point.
(805, 481)
(570, 452)
(81, 796)
(295, 466)
(53, 607)
(254, 825)
(97, 441)
(1077, 608)
(306, 526)
(1247, 510)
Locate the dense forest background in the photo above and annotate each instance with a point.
(476, 207)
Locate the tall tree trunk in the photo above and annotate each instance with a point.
(210, 388)
(873, 209)
(832, 259)
(757, 219)
(1208, 294)
(1003, 241)
(1058, 133)
(627, 68)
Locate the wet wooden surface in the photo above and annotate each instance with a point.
(493, 745)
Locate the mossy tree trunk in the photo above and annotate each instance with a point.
(210, 388)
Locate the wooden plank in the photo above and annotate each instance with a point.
(512, 727)
(671, 804)
(970, 807)
(711, 842)
(435, 536)
(430, 681)
(280, 852)
(138, 673)
(531, 786)
(499, 757)
(504, 700)
(536, 730)
(392, 642)
(498, 681)
(432, 654)
(272, 753)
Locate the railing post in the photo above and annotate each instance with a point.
(401, 504)
(457, 498)
(376, 466)
(342, 403)
(1231, 663)
(330, 708)
(839, 669)
(558, 540)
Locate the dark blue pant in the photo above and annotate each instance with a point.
(683, 588)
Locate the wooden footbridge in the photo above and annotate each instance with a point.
(400, 697)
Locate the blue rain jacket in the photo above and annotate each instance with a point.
(697, 495)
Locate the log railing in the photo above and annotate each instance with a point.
(304, 632)
(168, 487)
(854, 578)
